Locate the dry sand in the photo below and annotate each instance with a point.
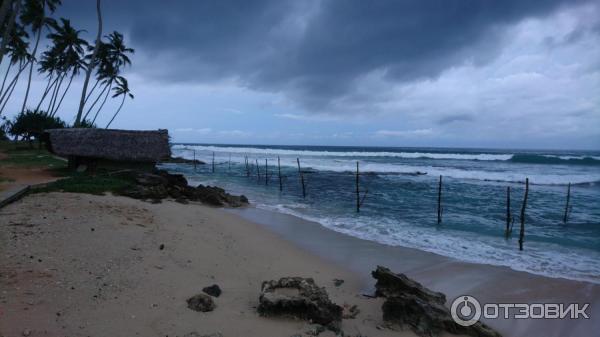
(83, 265)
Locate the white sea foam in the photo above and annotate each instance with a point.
(540, 258)
(310, 153)
(340, 164)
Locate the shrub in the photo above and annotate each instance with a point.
(31, 124)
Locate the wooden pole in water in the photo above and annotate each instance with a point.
(508, 217)
(213, 163)
(301, 179)
(439, 203)
(247, 166)
(357, 190)
(194, 160)
(567, 205)
(266, 172)
(279, 173)
(257, 171)
(229, 162)
(522, 232)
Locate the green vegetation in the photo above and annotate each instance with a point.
(85, 183)
(22, 155)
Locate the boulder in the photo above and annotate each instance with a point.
(201, 302)
(423, 310)
(301, 298)
(390, 284)
(214, 290)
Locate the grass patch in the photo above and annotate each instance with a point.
(5, 180)
(22, 155)
(84, 183)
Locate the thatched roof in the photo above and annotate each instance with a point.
(118, 145)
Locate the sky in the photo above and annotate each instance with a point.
(445, 73)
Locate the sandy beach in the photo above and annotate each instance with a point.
(85, 265)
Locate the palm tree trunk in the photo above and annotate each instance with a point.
(49, 86)
(91, 91)
(11, 85)
(5, 77)
(102, 105)
(59, 80)
(14, 85)
(95, 101)
(62, 78)
(37, 42)
(116, 113)
(63, 96)
(90, 67)
(8, 30)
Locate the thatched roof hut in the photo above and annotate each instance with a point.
(110, 145)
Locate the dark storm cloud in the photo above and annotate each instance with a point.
(311, 51)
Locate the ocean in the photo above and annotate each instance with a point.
(400, 205)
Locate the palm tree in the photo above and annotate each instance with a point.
(34, 15)
(90, 66)
(122, 89)
(64, 57)
(112, 57)
(17, 48)
(9, 25)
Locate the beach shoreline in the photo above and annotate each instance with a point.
(488, 283)
(221, 245)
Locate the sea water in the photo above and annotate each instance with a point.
(400, 205)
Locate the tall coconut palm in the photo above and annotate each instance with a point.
(14, 9)
(90, 66)
(34, 15)
(67, 53)
(112, 57)
(122, 89)
(17, 48)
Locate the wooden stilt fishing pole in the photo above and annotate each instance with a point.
(439, 203)
(194, 160)
(213, 163)
(357, 189)
(266, 172)
(229, 162)
(565, 218)
(257, 171)
(247, 167)
(301, 178)
(508, 215)
(279, 174)
(522, 231)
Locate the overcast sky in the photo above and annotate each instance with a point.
(468, 73)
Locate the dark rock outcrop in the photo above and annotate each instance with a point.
(423, 310)
(181, 160)
(161, 185)
(214, 290)
(301, 298)
(390, 284)
(201, 302)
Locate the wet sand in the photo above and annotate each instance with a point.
(489, 284)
